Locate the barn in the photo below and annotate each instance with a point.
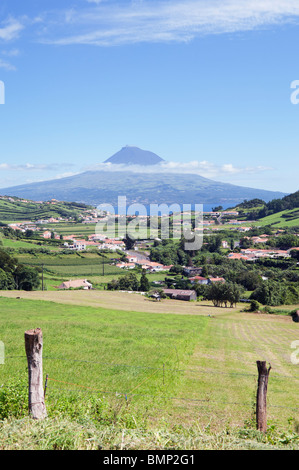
(180, 294)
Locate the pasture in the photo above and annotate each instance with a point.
(167, 362)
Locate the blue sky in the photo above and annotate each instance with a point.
(205, 84)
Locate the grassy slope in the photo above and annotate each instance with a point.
(209, 374)
(18, 211)
(287, 218)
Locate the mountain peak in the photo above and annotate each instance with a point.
(131, 155)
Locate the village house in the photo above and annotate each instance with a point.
(78, 245)
(124, 265)
(46, 234)
(274, 253)
(191, 271)
(198, 280)
(237, 256)
(216, 279)
(204, 281)
(76, 284)
(112, 244)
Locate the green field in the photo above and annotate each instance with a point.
(17, 210)
(155, 369)
(287, 218)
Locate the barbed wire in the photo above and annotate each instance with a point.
(200, 369)
(126, 395)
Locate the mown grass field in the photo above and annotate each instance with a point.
(181, 368)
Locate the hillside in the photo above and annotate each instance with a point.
(282, 212)
(104, 187)
(15, 209)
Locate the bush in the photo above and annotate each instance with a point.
(14, 400)
(254, 306)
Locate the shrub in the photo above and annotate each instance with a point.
(14, 400)
(254, 306)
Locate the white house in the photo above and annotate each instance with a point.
(76, 284)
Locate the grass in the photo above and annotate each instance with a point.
(16, 244)
(73, 265)
(287, 218)
(18, 210)
(180, 369)
(98, 336)
(64, 434)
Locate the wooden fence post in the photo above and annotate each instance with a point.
(261, 397)
(34, 349)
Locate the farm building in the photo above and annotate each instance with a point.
(180, 294)
(190, 271)
(76, 284)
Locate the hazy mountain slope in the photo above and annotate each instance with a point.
(96, 187)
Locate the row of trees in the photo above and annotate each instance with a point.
(227, 294)
(130, 282)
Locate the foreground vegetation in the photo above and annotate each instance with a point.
(131, 380)
(67, 434)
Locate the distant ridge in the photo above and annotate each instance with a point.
(130, 155)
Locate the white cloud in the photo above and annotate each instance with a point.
(31, 167)
(11, 53)
(110, 23)
(65, 175)
(203, 168)
(6, 65)
(10, 29)
(95, 1)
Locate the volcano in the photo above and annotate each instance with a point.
(122, 175)
(130, 155)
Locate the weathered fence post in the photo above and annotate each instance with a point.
(261, 397)
(34, 349)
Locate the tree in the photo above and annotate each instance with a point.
(251, 280)
(26, 278)
(144, 285)
(223, 293)
(29, 233)
(127, 282)
(215, 244)
(6, 281)
(7, 263)
(129, 242)
(270, 293)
